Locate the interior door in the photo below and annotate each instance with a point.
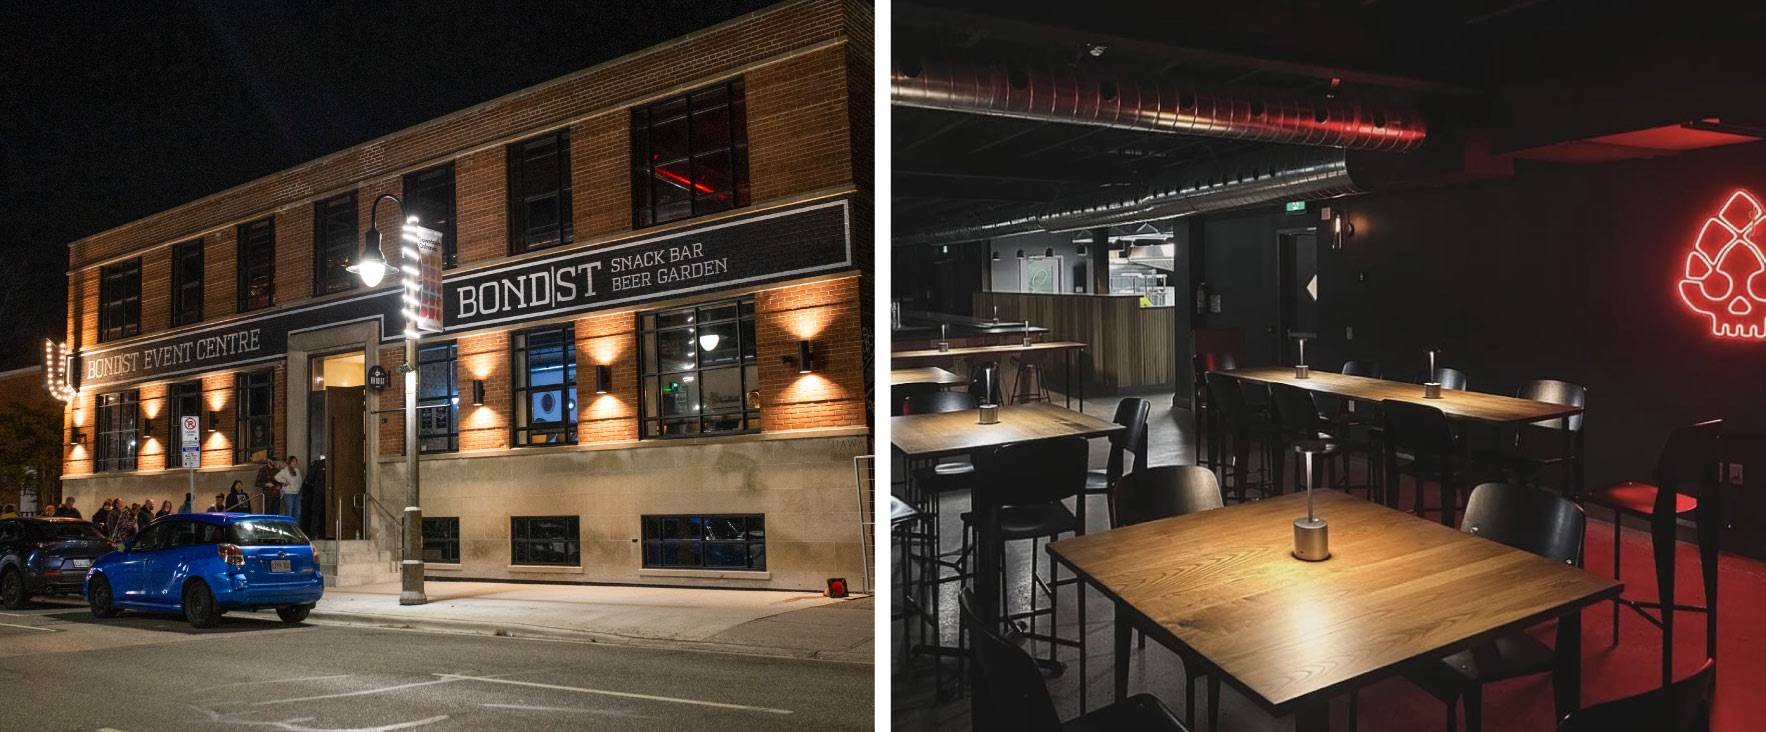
(346, 468)
(1297, 293)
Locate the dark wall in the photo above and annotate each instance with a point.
(1565, 272)
(1241, 269)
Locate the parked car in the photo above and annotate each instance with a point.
(205, 564)
(45, 556)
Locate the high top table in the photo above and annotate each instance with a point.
(924, 375)
(1291, 635)
(1070, 348)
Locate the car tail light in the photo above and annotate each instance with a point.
(233, 554)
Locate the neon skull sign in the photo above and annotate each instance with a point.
(1725, 276)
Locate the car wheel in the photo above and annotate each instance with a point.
(98, 596)
(293, 614)
(199, 606)
(12, 590)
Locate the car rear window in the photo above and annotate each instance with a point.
(265, 533)
(63, 530)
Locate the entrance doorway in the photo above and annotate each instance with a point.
(336, 434)
(1296, 291)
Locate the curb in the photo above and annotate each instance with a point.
(537, 632)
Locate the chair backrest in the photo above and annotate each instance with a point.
(1008, 682)
(1296, 411)
(937, 402)
(1039, 471)
(1131, 413)
(1224, 394)
(901, 512)
(1526, 518)
(1450, 378)
(1370, 369)
(984, 383)
(1688, 460)
(1555, 392)
(1166, 491)
(1683, 706)
(1215, 361)
(1416, 428)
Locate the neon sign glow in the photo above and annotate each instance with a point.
(1725, 278)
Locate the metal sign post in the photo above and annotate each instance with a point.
(191, 453)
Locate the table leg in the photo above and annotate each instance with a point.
(1313, 717)
(1123, 633)
(1571, 490)
(1083, 678)
(1566, 675)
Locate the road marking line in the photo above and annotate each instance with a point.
(279, 681)
(625, 694)
(363, 692)
(29, 627)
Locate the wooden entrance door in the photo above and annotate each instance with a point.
(346, 466)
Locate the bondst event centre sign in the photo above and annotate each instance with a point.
(747, 250)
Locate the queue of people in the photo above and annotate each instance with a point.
(279, 481)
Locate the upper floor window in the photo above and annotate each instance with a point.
(187, 283)
(254, 404)
(699, 368)
(545, 386)
(438, 398)
(334, 244)
(429, 195)
(119, 300)
(118, 416)
(257, 264)
(690, 155)
(539, 192)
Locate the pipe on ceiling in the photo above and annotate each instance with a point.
(1049, 93)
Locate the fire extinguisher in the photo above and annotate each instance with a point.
(1202, 299)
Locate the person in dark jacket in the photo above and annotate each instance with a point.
(266, 484)
(238, 501)
(101, 517)
(67, 509)
(312, 495)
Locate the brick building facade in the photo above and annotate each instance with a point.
(720, 179)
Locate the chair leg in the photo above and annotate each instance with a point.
(1474, 701)
(1453, 715)
(1618, 536)
(1662, 541)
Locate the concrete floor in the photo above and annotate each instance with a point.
(1609, 671)
(63, 669)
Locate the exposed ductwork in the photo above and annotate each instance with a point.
(1097, 97)
(1263, 176)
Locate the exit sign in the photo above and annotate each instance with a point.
(1294, 206)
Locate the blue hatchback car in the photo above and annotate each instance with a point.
(204, 564)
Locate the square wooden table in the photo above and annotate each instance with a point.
(924, 375)
(1290, 634)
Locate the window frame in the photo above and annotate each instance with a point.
(255, 254)
(119, 298)
(659, 541)
(117, 447)
(417, 188)
(520, 378)
(449, 401)
(182, 288)
(648, 335)
(242, 418)
(519, 158)
(332, 217)
(644, 165)
(447, 540)
(516, 539)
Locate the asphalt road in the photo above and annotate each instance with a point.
(62, 669)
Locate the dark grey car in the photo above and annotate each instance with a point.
(46, 556)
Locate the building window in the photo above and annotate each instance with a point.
(257, 264)
(441, 540)
(334, 244)
(545, 540)
(539, 192)
(255, 400)
(429, 195)
(690, 155)
(187, 283)
(118, 415)
(545, 386)
(705, 542)
(184, 400)
(438, 398)
(700, 375)
(119, 300)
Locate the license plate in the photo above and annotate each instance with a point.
(81, 563)
(280, 565)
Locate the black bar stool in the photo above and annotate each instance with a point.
(1238, 429)
(1422, 436)
(1131, 413)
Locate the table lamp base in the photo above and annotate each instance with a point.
(1312, 539)
(1302, 371)
(1432, 390)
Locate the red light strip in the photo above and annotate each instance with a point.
(1725, 277)
(683, 181)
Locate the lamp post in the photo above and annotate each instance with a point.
(372, 268)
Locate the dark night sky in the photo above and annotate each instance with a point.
(109, 114)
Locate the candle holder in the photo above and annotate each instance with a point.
(990, 413)
(943, 346)
(943, 337)
(1312, 535)
(1302, 371)
(1431, 390)
(1027, 333)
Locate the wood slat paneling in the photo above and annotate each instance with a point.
(1130, 347)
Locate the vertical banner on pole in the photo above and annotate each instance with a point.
(426, 311)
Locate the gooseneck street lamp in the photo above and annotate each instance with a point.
(372, 268)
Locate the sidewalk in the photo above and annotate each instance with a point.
(793, 624)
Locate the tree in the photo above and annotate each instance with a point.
(30, 450)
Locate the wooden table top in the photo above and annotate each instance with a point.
(1456, 403)
(955, 433)
(1396, 588)
(984, 350)
(924, 375)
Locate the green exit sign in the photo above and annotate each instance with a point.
(1294, 206)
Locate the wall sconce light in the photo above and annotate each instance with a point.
(74, 436)
(1049, 252)
(804, 359)
(1083, 250)
(996, 256)
(1342, 229)
(147, 426)
(1020, 254)
(603, 378)
(214, 421)
(478, 392)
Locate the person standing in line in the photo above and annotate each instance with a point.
(123, 527)
(144, 514)
(219, 506)
(67, 509)
(101, 517)
(238, 501)
(49, 510)
(10, 511)
(266, 484)
(289, 481)
(187, 505)
(165, 509)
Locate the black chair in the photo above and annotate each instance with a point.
(1009, 691)
(1238, 430)
(1205, 414)
(1422, 436)
(1450, 378)
(1525, 518)
(908, 537)
(984, 383)
(1131, 413)
(1539, 446)
(937, 402)
(1295, 418)
(1685, 486)
(1682, 706)
(1368, 369)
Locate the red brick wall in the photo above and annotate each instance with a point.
(481, 206)
(294, 255)
(220, 273)
(601, 179)
(826, 313)
(485, 357)
(797, 125)
(610, 339)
